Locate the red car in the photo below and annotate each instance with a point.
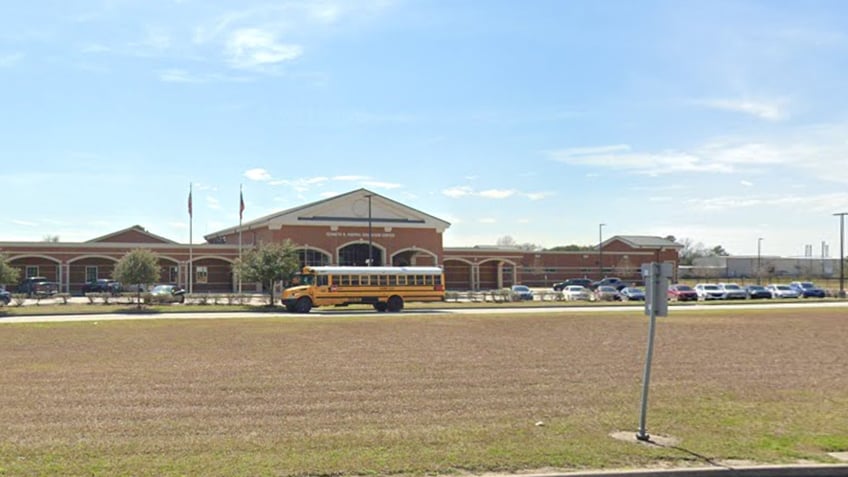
(682, 293)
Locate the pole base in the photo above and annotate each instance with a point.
(643, 437)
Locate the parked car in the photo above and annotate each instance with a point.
(522, 292)
(732, 291)
(583, 282)
(709, 291)
(632, 293)
(682, 293)
(576, 292)
(614, 282)
(808, 290)
(606, 293)
(168, 293)
(779, 290)
(38, 286)
(5, 295)
(102, 285)
(755, 292)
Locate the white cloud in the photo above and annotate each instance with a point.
(487, 220)
(254, 48)
(467, 191)
(381, 185)
(213, 203)
(771, 111)
(350, 178)
(10, 60)
(458, 191)
(643, 163)
(538, 195)
(178, 76)
(822, 203)
(746, 183)
(25, 223)
(594, 150)
(257, 174)
(497, 193)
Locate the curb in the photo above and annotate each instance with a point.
(820, 470)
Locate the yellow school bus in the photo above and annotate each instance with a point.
(386, 288)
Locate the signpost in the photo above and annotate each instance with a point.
(656, 276)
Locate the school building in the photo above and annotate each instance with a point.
(355, 228)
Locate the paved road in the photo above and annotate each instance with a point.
(634, 309)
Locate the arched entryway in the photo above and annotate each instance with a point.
(357, 254)
(414, 257)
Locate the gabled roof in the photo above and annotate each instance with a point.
(644, 241)
(350, 207)
(134, 234)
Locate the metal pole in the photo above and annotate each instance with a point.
(642, 435)
(759, 263)
(842, 253)
(600, 252)
(370, 235)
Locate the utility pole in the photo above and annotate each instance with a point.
(600, 251)
(841, 253)
(759, 261)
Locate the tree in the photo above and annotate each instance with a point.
(508, 241)
(573, 248)
(269, 263)
(139, 267)
(692, 250)
(50, 238)
(8, 274)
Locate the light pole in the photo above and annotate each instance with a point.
(759, 260)
(600, 251)
(841, 253)
(370, 235)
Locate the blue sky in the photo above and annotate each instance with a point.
(718, 121)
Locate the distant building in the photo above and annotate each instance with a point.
(355, 228)
(764, 266)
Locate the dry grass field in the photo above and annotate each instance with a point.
(426, 394)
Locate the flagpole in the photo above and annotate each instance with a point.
(190, 240)
(241, 213)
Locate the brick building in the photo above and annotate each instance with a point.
(348, 229)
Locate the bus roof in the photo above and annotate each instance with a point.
(339, 270)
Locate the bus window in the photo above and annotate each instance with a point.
(428, 280)
(401, 280)
(419, 279)
(322, 280)
(344, 280)
(363, 280)
(377, 280)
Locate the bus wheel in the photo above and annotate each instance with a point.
(303, 305)
(380, 306)
(290, 308)
(395, 304)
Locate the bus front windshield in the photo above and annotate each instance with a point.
(302, 280)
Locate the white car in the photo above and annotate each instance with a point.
(709, 291)
(733, 291)
(779, 290)
(575, 292)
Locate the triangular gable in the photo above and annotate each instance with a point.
(349, 209)
(134, 234)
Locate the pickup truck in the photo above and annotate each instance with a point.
(38, 286)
